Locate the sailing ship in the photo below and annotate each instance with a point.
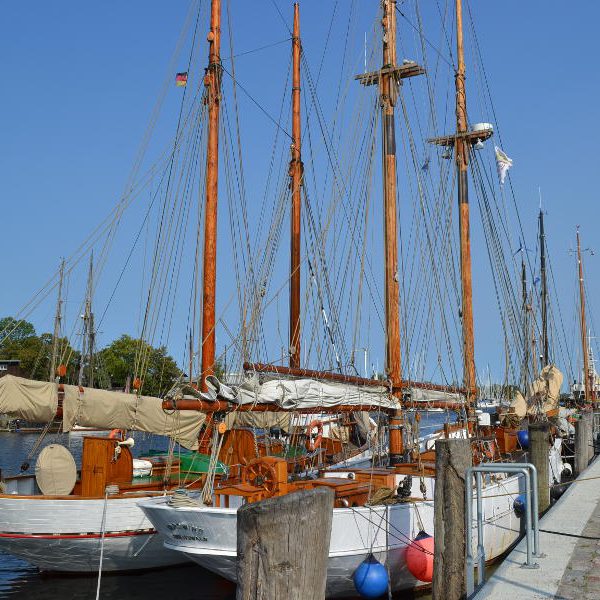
(278, 428)
(203, 527)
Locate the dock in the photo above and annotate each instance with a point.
(570, 541)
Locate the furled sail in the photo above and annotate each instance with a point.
(90, 407)
(37, 401)
(542, 396)
(26, 399)
(438, 396)
(299, 394)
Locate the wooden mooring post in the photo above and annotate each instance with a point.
(583, 441)
(452, 459)
(283, 546)
(539, 446)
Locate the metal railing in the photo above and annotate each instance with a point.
(532, 532)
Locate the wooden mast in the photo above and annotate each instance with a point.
(388, 78)
(544, 291)
(388, 94)
(462, 161)
(296, 170)
(212, 82)
(587, 376)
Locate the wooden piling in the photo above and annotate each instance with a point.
(539, 446)
(583, 441)
(283, 546)
(589, 417)
(452, 459)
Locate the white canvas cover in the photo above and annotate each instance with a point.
(26, 399)
(421, 395)
(298, 394)
(104, 409)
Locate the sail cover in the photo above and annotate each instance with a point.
(301, 394)
(34, 401)
(104, 409)
(425, 396)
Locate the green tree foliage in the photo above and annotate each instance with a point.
(118, 362)
(35, 352)
(13, 330)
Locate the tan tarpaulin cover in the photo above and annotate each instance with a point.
(544, 393)
(118, 410)
(55, 471)
(518, 405)
(542, 396)
(258, 420)
(33, 401)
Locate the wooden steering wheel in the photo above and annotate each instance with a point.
(261, 475)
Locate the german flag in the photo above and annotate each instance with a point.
(181, 79)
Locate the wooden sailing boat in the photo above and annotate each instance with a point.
(361, 526)
(585, 392)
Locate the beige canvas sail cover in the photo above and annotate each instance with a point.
(33, 401)
(118, 410)
(544, 393)
(55, 471)
(542, 396)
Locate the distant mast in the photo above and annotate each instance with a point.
(57, 323)
(544, 290)
(296, 173)
(587, 375)
(212, 83)
(526, 347)
(89, 335)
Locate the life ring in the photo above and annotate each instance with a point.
(311, 444)
(116, 433)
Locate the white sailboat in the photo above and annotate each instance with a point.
(203, 526)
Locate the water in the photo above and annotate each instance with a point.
(20, 580)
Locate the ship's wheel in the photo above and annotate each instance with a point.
(261, 475)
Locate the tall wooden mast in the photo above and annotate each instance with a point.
(587, 376)
(544, 291)
(57, 323)
(212, 82)
(296, 172)
(388, 78)
(462, 161)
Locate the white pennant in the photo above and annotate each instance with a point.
(503, 162)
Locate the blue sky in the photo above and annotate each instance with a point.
(80, 81)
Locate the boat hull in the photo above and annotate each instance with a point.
(207, 535)
(66, 534)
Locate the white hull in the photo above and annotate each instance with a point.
(63, 534)
(207, 535)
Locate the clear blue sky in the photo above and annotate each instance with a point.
(80, 81)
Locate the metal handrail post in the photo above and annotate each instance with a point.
(480, 546)
(470, 566)
(531, 519)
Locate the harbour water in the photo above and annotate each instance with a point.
(191, 582)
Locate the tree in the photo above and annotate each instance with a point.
(11, 329)
(119, 360)
(35, 352)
